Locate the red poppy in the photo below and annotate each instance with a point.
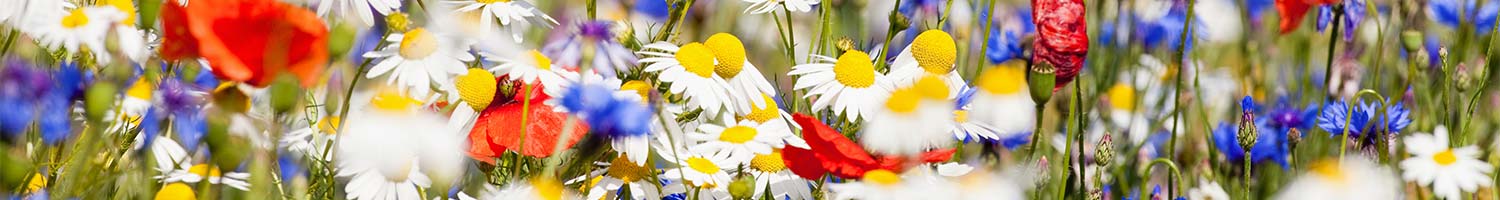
(831, 152)
(498, 129)
(1063, 38)
(249, 41)
(1292, 12)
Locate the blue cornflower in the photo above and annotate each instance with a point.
(609, 55)
(1268, 146)
(1166, 30)
(184, 103)
(20, 82)
(656, 9)
(1286, 116)
(1005, 41)
(1446, 12)
(1362, 119)
(289, 165)
(1354, 12)
(608, 114)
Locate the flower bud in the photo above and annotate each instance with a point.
(397, 22)
(98, 100)
(1293, 137)
(285, 93)
(1104, 153)
(899, 21)
(1040, 80)
(1411, 40)
(742, 188)
(1247, 134)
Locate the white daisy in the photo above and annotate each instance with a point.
(75, 30)
(473, 92)
(132, 41)
(1002, 100)
(621, 173)
(746, 84)
(177, 165)
(737, 141)
(519, 12)
(392, 147)
(883, 184)
(530, 67)
(133, 107)
(698, 170)
(931, 53)
(310, 140)
(1208, 190)
(776, 120)
(966, 129)
(912, 120)
(358, 10)
(848, 86)
(991, 186)
(1445, 169)
(539, 188)
(770, 171)
(767, 6)
(418, 59)
(690, 71)
(1350, 179)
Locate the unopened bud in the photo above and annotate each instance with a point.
(1041, 80)
(285, 93)
(742, 188)
(1104, 153)
(397, 22)
(98, 100)
(1293, 137)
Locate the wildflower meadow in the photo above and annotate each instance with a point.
(749, 99)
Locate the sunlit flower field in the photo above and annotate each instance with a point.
(749, 99)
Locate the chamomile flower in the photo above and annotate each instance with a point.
(358, 10)
(771, 173)
(777, 121)
(473, 92)
(768, 6)
(1208, 190)
(177, 165)
(76, 30)
(1002, 101)
(132, 41)
(746, 84)
(621, 174)
(1449, 171)
(1349, 179)
(530, 67)
(883, 184)
(966, 129)
(310, 140)
(537, 188)
(699, 170)
(418, 59)
(176, 191)
(690, 69)
(390, 149)
(514, 15)
(738, 142)
(931, 53)
(911, 120)
(848, 86)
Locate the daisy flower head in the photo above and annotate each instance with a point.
(530, 67)
(76, 30)
(176, 165)
(690, 69)
(699, 170)
(738, 142)
(911, 120)
(932, 53)
(1347, 179)
(768, 6)
(1002, 101)
(777, 120)
(609, 55)
(419, 58)
(968, 130)
(622, 173)
(536, 188)
(1208, 190)
(771, 174)
(514, 15)
(746, 84)
(1447, 170)
(847, 86)
(881, 184)
(357, 10)
(310, 140)
(391, 149)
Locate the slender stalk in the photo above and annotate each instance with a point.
(890, 33)
(984, 47)
(593, 6)
(10, 39)
(1246, 192)
(1333, 42)
(678, 15)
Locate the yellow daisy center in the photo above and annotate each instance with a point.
(625, 170)
(882, 177)
(932, 87)
(903, 100)
(393, 101)
(730, 52)
(697, 59)
(766, 113)
(417, 44)
(854, 69)
(141, 89)
(548, 189)
(127, 7)
(176, 191)
(477, 87)
(1329, 171)
(75, 19)
(491, 1)
(542, 62)
(934, 51)
(702, 165)
(768, 162)
(1007, 78)
(961, 116)
(738, 134)
(329, 125)
(205, 170)
(1122, 97)
(640, 87)
(1445, 158)
(38, 181)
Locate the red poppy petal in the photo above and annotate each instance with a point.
(803, 162)
(1292, 12)
(502, 126)
(250, 41)
(938, 155)
(839, 155)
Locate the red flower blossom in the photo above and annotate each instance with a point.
(1292, 12)
(831, 152)
(498, 129)
(1063, 38)
(250, 41)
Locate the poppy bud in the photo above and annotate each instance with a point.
(1040, 79)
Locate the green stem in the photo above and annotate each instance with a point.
(10, 39)
(890, 33)
(1333, 42)
(678, 15)
(1246, 193)
(593, 8)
